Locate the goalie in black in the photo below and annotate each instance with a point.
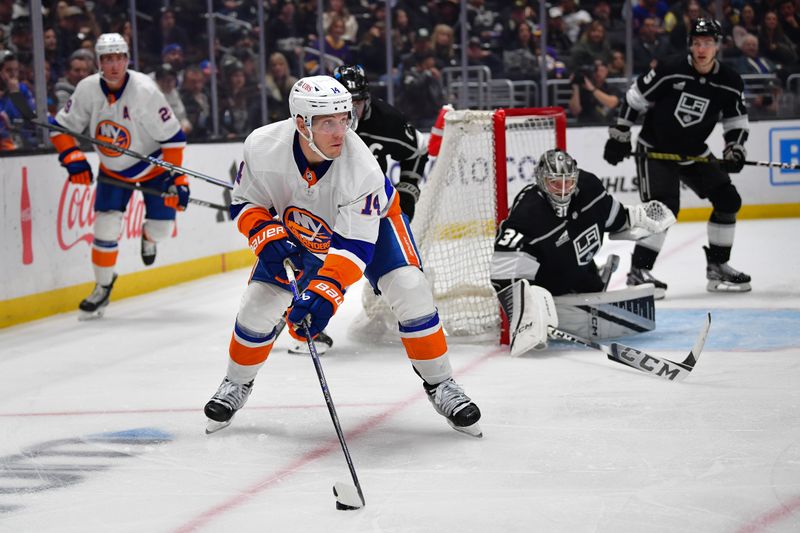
(682, 101)
(546, 247)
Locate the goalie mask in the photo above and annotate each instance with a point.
(557, 178)
(355, 80)
(318, 95)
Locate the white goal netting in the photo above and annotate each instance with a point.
(456, 218)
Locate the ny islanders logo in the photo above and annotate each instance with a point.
(112, 133)
(310, 230)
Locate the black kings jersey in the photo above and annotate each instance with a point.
(387, 133)
(552, 252)
(682, 106)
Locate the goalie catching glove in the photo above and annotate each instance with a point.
(645, 220)
(531, 311)
(316, 305)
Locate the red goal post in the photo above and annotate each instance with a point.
(486, 158)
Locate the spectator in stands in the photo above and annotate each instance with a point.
(790, 22)
(650, 47)
(446, 12)
(279, 83)
(593, 100)
(77, 69)
(372, 50)
(616, 68)
(337, 8)
(234, 113)
(614, 26)
(172, 55)
(517, 16)
(678, 22)
(403, 33)
(650, 9)
(773, 42)
(284, 34)
(477, 55)
(51, 53)
(167, 81)
(423, 92)
(575, 19)
(520, 59)
(747, 25)
(751, 62)
(483, 22)
(591, 46)
(556, 35)
(169, 32)
(443, 42)
(196, 103)
(334, 45)
(25, 137)
(421, 45)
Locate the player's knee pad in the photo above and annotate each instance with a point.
(726, 200)
(408, 293)
(262, 307)
(107, 225)
(157, 230)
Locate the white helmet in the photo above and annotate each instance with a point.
(318, 95)
(109, 43)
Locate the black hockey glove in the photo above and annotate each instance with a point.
(409, 194)
(733, 157)
(618, 145)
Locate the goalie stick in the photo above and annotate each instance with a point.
(703, 159)
(348, 497)
(27, 113)
(156, 192)
(635, 358)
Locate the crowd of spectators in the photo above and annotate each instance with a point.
(586, 45)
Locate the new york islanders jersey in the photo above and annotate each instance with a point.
(332, 209)
(556, 253)
(136, 117)
(682, 106)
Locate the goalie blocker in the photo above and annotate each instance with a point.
(532, 310)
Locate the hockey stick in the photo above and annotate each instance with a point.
(635, 358)
(661, 156)
(27, 113)
(155, 192)
(347, 499)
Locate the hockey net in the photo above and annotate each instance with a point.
(486, 158)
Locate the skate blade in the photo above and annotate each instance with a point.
(83, 316)
(473, 430)
(347, 498)
(722, 286)
(213, 426)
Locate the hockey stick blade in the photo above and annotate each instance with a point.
(347, 497)
(642, 361)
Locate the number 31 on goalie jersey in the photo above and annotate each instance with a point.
(509, 239)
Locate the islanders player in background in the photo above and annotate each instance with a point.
(310, 190)
(125, 108)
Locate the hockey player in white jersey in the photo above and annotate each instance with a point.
(310, 190)
(125, 108)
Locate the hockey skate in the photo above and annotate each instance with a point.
(229, 398)
(148, 251)
(450, 401)
(724, 278)
(322, 343)
(640, 276)
(94, 305)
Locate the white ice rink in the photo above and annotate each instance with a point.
(102, 429)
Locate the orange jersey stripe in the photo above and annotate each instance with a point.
(152, 173)
(245, 355)
(341, 269)
(250, 218)
(104, 259)
(404, 238)
(172, 155)
(394, 208)
(426, 348)
(62, 142)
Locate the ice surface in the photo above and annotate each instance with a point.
(101, 423)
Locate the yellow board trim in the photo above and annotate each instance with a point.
(36, 306)
(701, 214)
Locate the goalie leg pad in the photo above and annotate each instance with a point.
(530, 310)
(608, 315)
